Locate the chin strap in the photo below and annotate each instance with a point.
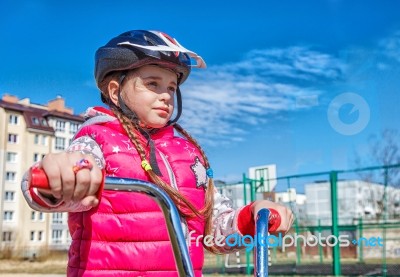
(179, 107)
(124, 108)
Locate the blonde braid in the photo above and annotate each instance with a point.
(181, 202)
(207, 211)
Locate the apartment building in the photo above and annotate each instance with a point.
(27, 133)
(356, 199)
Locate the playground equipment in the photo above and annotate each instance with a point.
(183, 263)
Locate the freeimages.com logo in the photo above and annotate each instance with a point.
(249, 242)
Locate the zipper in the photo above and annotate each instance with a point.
(171, 174)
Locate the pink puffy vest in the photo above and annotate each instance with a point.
(126, 234)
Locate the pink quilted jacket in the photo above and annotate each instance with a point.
(126, 234)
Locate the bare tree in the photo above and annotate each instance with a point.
(384, 150)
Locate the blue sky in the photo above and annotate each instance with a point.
(302, 84)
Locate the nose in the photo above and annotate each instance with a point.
(166, 94)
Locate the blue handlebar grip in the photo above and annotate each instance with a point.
(261, 246)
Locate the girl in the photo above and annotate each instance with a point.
(124, 234)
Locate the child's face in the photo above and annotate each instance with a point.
(149, 92)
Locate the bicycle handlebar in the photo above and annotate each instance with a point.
(261, 247)
(37, 178)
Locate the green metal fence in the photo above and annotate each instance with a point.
(347, 223)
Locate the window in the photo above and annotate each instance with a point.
(57, 218)
(9, 195)
(56, 236)
(7, 236)
(13, 119)
(12, 138)
(41, 216)
(10, 176)
(35, 157)
(33, 215)
(60, 126)
(73, 128)
(11, 157)
(36, 139)
(40, 235)
(35, 121)
(8, 216)
(60, 143)
(44, 140)
(32, 236)
(44, 122)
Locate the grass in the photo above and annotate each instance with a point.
(39, 267)
(59, 267)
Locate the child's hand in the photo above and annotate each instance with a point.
(277, 223)
(71, 183)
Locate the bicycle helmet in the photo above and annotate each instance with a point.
(136, 48)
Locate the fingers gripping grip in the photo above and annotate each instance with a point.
(37, 178)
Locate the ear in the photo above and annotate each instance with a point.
(113, 90)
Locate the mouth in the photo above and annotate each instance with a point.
(162, 109)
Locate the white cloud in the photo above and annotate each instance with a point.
(220, 102)
(391, 46)
(292, 62)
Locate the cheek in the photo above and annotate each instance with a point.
(133, 100)
(171, 101)
(132, 94)
(140, 104)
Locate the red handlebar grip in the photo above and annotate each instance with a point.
(38, 178)
(274, 220)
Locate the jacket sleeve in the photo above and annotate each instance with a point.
(37, 201)
(228, 222)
